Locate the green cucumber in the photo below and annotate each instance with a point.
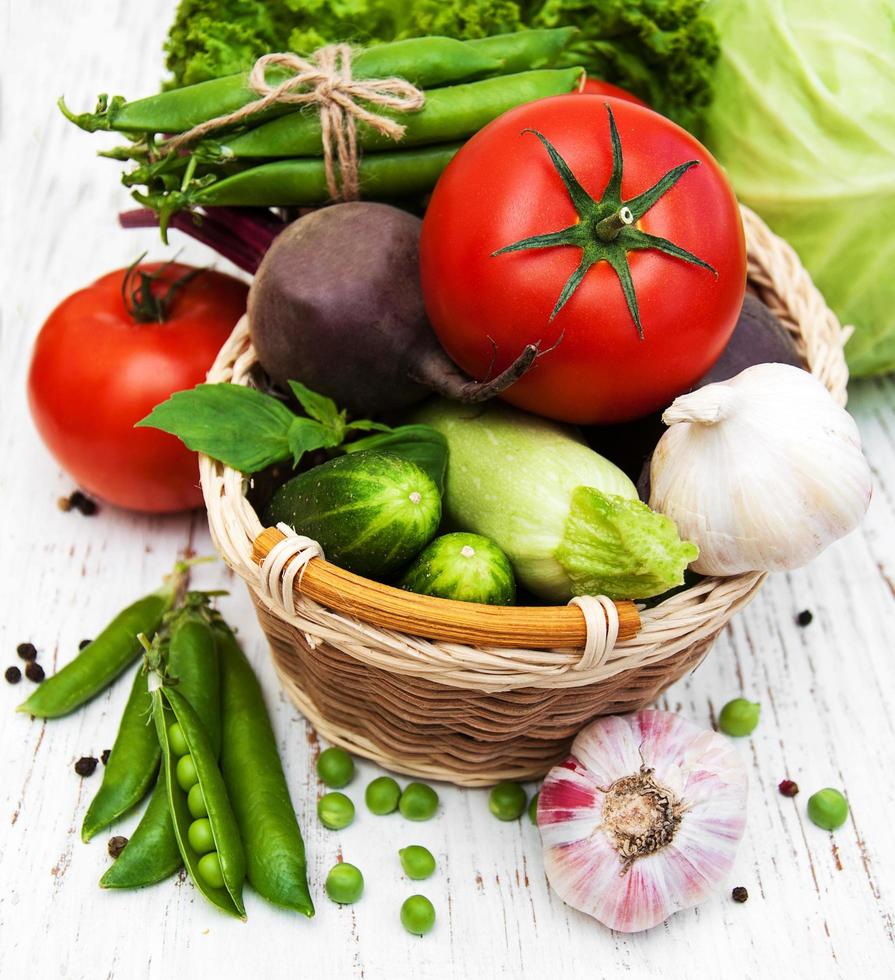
(371, 512)
(466, 567)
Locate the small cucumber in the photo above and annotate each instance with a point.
(371, 512)
(466, 567)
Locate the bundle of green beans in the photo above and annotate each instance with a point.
(195, 726)
(275, 157)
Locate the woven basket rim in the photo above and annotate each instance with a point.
(776, 274)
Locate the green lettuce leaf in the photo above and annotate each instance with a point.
(618, 547)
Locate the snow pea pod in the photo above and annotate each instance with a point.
(451, 113)
(525, 50)
(253, 774)
(132, 765)
(220, 871)
(302, 181)
(152, 853)
(424, 61)
(101, 661)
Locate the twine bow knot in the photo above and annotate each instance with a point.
(324, 79)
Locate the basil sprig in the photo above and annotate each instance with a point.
(250, 430)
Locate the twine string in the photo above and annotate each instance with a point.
(601, 620)
(326, 80)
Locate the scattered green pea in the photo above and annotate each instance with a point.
(344, 883)
(533, 809)
(335, 767)
(418, 915)
(507, 800)
(739, 717)
(195, 802)
(418, 802)
(176, 740)
(186, 773)
(828, 808)
(382, 796)
(335, 810)
(417, 862)
(209, 867)
(200, 836)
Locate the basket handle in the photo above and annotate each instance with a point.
(522, 627)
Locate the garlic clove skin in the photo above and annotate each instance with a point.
(607, 791)
(762, 472)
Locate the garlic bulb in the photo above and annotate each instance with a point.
(643, 819)
(762, 472)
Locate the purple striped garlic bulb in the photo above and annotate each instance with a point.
(643, 819)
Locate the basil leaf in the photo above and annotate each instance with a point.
(421, 444)
(239, 426)
(365, 425)
(319, 407)
(306, 435)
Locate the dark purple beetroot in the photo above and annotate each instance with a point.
(337, 305)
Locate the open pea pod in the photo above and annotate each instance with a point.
(224, 887)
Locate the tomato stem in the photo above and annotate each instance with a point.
(143, 300)
(607, 230)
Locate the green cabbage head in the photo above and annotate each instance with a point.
(804, 121)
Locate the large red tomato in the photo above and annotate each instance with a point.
(679, 251)
(96, 370)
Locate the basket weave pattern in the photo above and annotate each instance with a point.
(471, 715)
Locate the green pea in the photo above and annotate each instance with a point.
(533, 809)
(176, 740)
(382, 796)
(344, 884)
(200, 836)
(418, 802)
(335, 810)
(210, 869)
(417, 862)
(335, 767)
(507, 800)
(418, 915)
(187, 777)
(828, 808)
(739, 717)
(195, 802)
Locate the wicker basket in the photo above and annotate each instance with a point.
(415, 684)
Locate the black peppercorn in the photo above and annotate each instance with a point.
(34, 671)
(105, 756)
(84, 643)
(27, 651)
(739, 894)
(86, 765)
(804, 618)
(13, 675)
(117, 845)
(83, 503)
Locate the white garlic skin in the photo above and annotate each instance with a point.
(762, 471)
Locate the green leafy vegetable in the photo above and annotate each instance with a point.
(567, 518)
(250, 430)
(662, 50)
(803, 121)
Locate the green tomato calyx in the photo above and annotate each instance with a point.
(606, 229)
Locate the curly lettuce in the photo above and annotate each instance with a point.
(662, 50)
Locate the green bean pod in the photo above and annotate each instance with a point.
(132, 765)
(101, 661)
(169, 706)
(525, 50)
(253, 773)
(302, 181)
(451, 113)
(424, 61)
(152, 853)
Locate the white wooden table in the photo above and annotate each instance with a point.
(819, 905)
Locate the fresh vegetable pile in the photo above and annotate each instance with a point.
(464, 251)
